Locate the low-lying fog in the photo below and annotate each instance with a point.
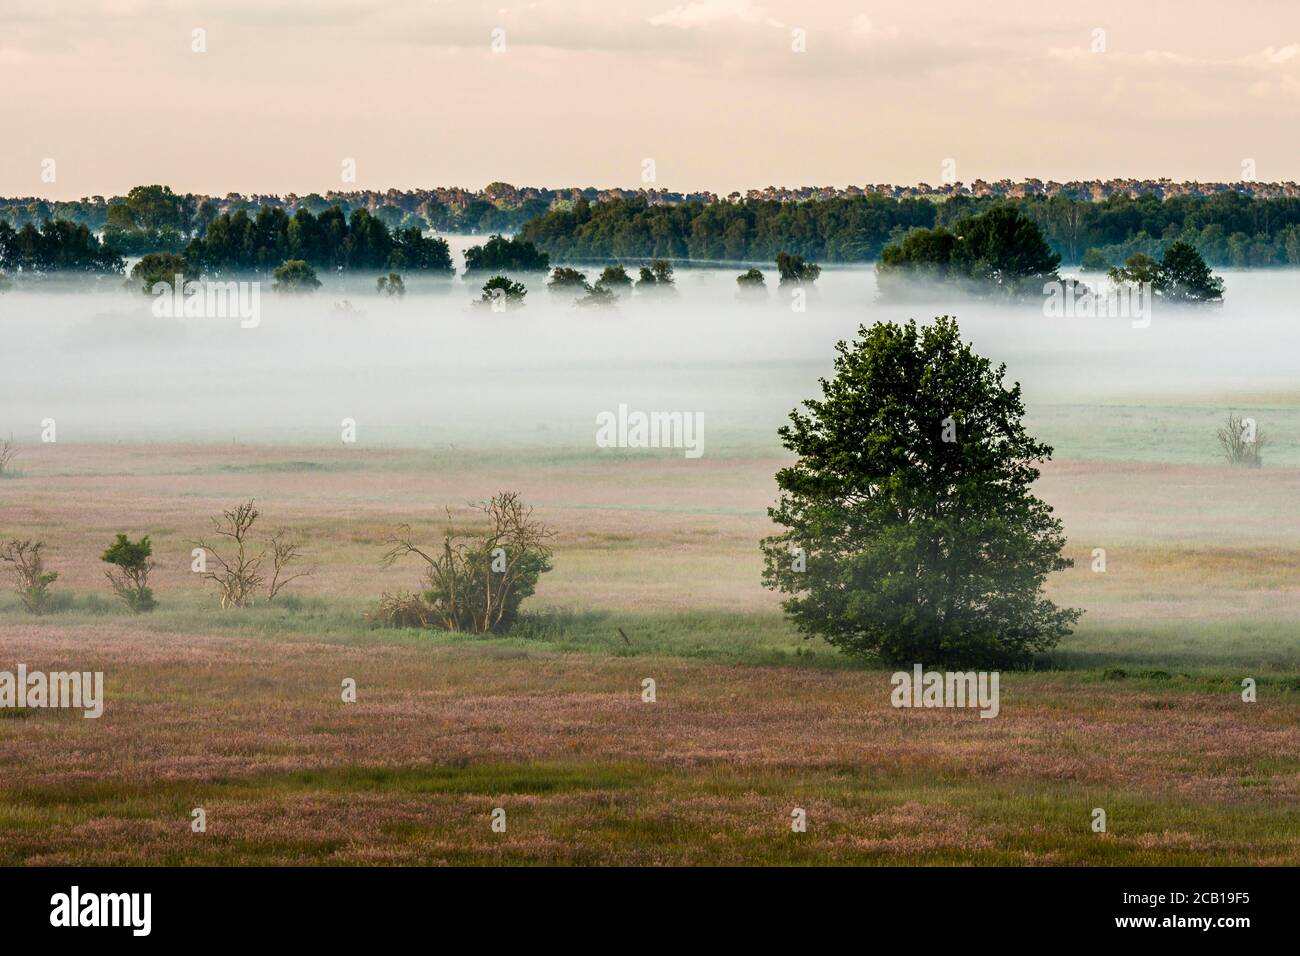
(430, 369)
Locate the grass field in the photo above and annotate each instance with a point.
(239, 712)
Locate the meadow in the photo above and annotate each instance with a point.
(656, 575)
(239, 711)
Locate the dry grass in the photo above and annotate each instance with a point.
(638, 535)
(255, 732)
(239, 712)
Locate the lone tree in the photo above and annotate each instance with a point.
(1004, 248)
(501, 294)
(751, 285)
(1243, 444)
(658, 276)
(1185, 276)
(614, 277)
(295, 277)
(31, 580)
(793, 269)
(911, 531)
(129, 574)
(391, 284)
(240, 571)
(564, 279)
(598, 296)
(1181, 275)
(474, 583)
(162, 267)
(8, 452)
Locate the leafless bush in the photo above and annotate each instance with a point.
(1243, 443)
(284, 551)
(238, 573)
(8, 451)
(476, 582)
(31, 580)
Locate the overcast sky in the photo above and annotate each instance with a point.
(583, 93)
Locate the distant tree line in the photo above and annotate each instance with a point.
(1228, 229)
(850, 230)
(147, 219)
(476, 216)
(58, 245)
(244, 243)
(155, 219)
(84, 212)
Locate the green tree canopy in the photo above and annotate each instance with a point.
(1180, 276)
(911, 532)
(129, 575)
(1000, 251)
(295, 276)
(1186, 278)
(614, 277)
(793, 269)
(506, 255)
(58, 245)
(564, 279)
(237, 242)
(161, 267)
(502, 292)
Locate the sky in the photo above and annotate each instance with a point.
(277, 96)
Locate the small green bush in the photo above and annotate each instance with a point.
(129, 575)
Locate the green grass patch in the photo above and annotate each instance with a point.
(594, 812)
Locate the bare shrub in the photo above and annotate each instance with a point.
(31, 580)
(1242, 443)
(284, 551)
(238, 573)
(8, 451)
(401, 610)
(476, 582)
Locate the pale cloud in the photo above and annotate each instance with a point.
(709, 13)
(1284, 55)
(1266, 58)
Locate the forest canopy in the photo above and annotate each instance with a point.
(240, 243)
(1228, 229)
